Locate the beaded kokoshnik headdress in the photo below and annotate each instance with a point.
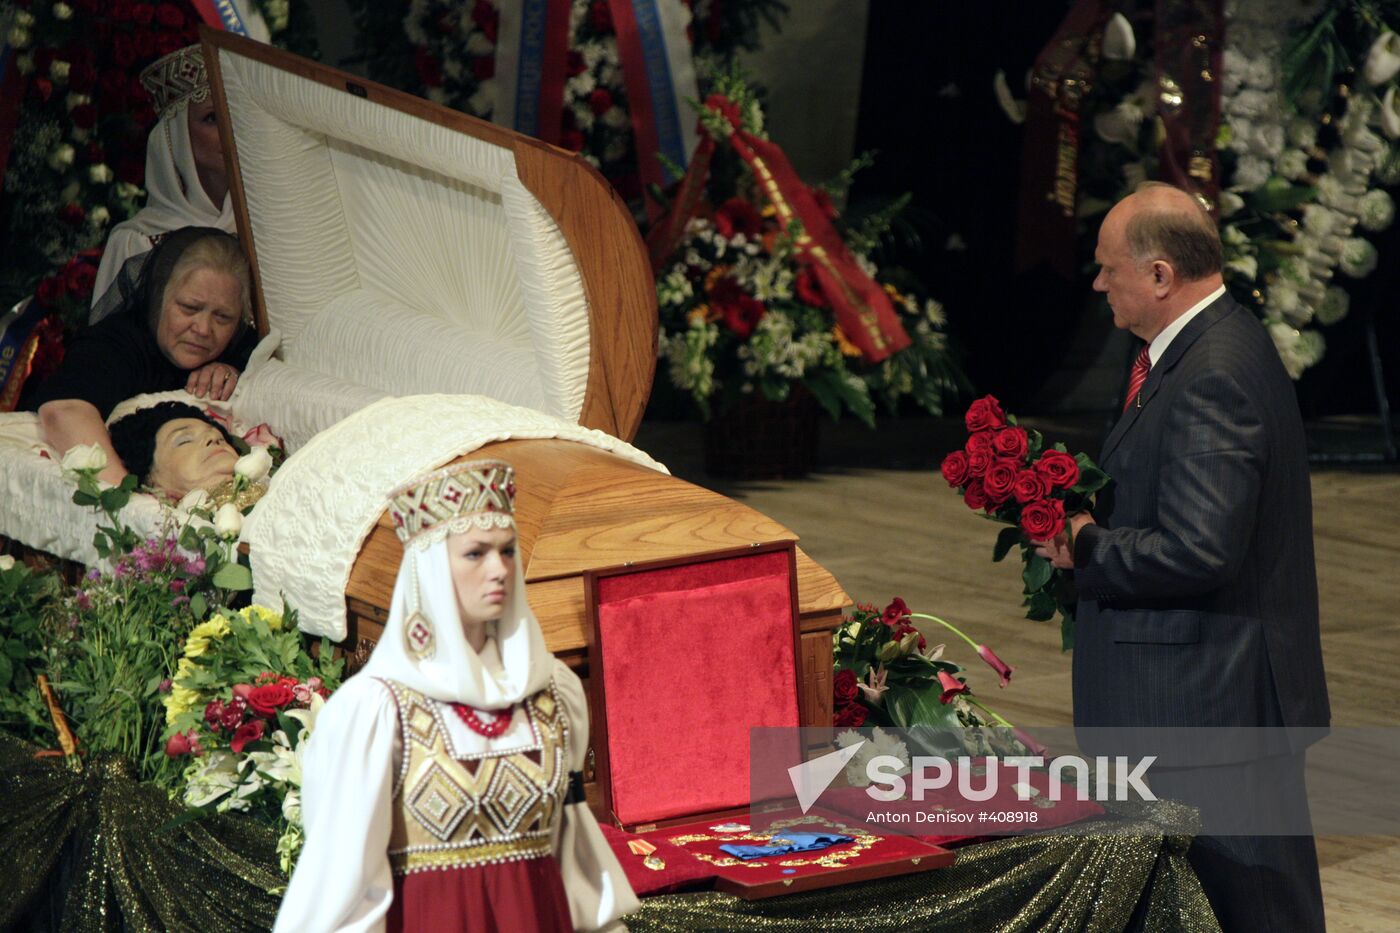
(474, 494)
(177, 78)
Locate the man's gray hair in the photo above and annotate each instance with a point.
(1185, 237)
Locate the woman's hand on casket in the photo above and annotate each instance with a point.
(214, 381)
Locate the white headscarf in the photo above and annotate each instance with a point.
(455, 673)
(175, 199)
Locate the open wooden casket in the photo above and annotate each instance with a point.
(400, 249)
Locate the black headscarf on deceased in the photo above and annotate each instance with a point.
(140, 285)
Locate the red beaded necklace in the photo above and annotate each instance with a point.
(470, 716)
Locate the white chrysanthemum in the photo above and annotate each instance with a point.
(1358, 258)
(1246, 266)
(1377, 210)
(615, 117)
(1295, 269)
(1331, 193)
(879, 744)
(1230, 202)
(1302, 133)
(1334, 306)
(1285, 339)
(1251, 172)
(1292, 164)
(412, 22)
(1235, 67)
(1282, 299)
(1310, 346)
(452, 67)
(1321, 221)
(933, 310)
(581, 84)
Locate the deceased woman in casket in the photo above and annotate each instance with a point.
(174, 449)
(183, 324)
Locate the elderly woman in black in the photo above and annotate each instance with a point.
(183, 324)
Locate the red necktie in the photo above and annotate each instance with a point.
(1138, 376)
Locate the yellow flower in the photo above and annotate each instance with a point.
(843, 343)
(702, 314)
(197, 642)
(273, 619)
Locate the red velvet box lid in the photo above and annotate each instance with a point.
(684, 658)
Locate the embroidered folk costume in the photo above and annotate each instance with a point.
(441, 786)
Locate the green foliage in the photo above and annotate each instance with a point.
(27, 601)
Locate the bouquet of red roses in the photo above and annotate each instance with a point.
(1011, 474)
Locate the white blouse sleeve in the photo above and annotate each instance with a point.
(599, 895)
(342, 880)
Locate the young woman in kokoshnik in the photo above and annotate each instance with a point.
(441, 788)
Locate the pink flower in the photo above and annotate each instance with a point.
(178, 745)
(951, 686)
(1034, 747)
(874, 687)
(1001, 667)
(301, 693)
(164, 686)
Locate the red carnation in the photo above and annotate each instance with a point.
(738, 216)
(850, 717)
(985, 414)
(79, 277)
(178, 745)
(486, 18)
(214, 714)
(577, 65)
(1030, 486)
(1010, 442)
(250, 731)
(743, 314)
(974, 495)
(955, 469)
(143, 13)
(269, 698)
(951, 686)
(600, 101)
(484, 68)
(72, 213)
(600, 17)
(809, 289)
(1042, 520)
(232, 716)
(1059, 468)
(571, 140)
(49, 292)
(844, 687)
(896, 610)
(999, 479)
(170, 16)
(43, 89)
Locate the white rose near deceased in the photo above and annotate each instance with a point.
(84, 458)
(254, 465)
(6, 562)
(228, 521)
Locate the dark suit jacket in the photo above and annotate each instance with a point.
(1197, 588)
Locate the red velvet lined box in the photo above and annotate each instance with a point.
(685, 657)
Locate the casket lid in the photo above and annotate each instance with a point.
(410, 248)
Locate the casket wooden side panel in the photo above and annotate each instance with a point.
(580, 508)
(607, 249)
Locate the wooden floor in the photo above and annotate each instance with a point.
(881, 519)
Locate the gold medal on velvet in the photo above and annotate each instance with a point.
(647, 851)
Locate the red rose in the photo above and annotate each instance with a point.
(980, 442)
(486, 18)
(600, 17)
(984, 414)
(79, 277)
(571, 140)
(269, 698)
(896, 610)
(250, 731)
(170, 16)
(178, 745)
(843, 686)
(577, 65)
(738, 216)
(1060, 469)
(951, 686)
(1010, 442)
(1030, 486)
(979, 461)
(600, 101)
(43, 89)
(1042, 520)
(851, 717)
(484, 68)
(143, 13)
(82, 79)
(809, 289)
(84, 116)
(72, 213)
(429, 69)
(49, 292)
(955, 469)
(974, 495)
(999, 479)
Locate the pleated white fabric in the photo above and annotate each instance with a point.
(401, 253)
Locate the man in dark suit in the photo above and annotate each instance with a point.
(1197, 586)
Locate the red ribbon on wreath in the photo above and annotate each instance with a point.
(861, 306)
